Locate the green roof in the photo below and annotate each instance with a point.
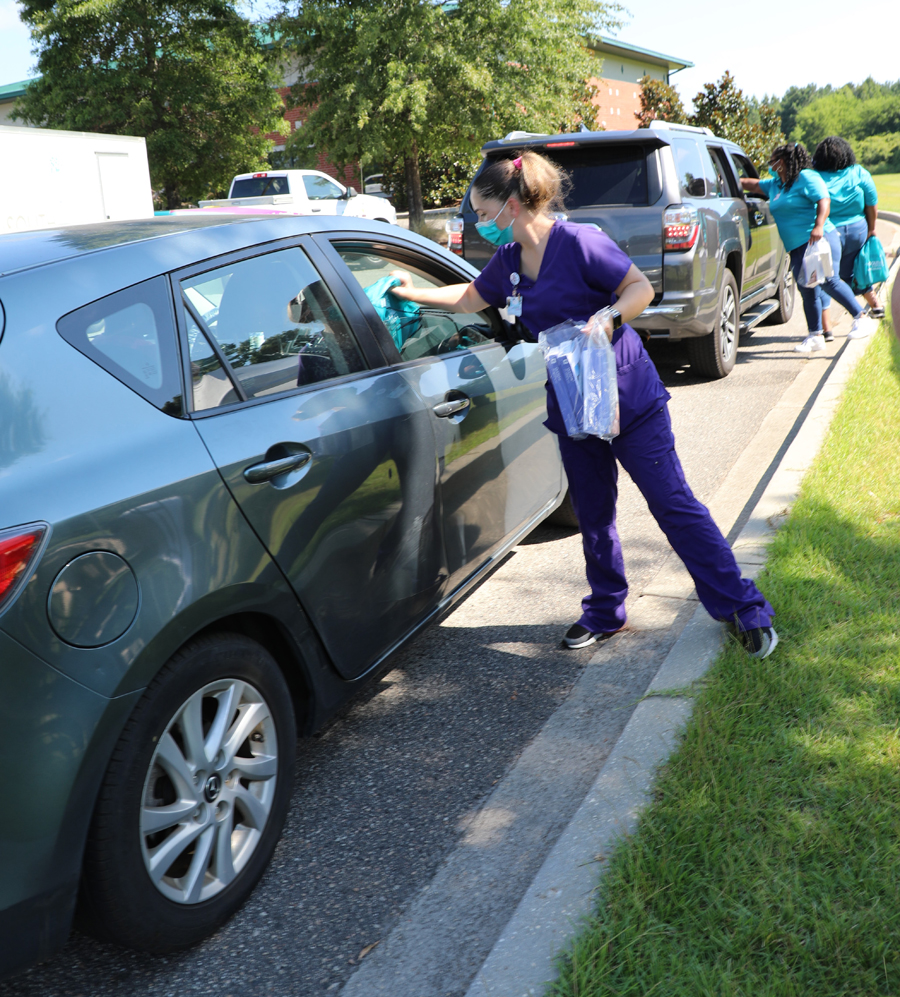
(10, 91)
(614, 46)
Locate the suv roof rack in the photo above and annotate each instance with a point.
(522, 136)
(671, 126)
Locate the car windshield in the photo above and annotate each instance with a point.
(604, 174)
(259, 186)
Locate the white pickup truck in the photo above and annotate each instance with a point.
(303, 192)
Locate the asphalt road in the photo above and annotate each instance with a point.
(388, 789)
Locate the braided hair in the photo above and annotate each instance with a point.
(534, 180)
(832, 155)
(795, 158)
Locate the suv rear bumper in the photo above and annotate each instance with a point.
(679, 315)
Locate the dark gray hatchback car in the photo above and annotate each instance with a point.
(226, 496)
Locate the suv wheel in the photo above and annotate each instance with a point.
(714, 355)
(787, 292)
(194, 798)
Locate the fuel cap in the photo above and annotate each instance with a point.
(94, 599)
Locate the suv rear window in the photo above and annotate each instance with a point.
(259, 186)
(608, 174)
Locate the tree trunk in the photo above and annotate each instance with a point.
(414, 189)
(173, 197)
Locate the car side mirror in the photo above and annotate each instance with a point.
(698, 187)
(350, 192)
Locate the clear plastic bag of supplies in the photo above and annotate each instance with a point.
(817, 266)
(581, 366)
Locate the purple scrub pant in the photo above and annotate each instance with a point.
(647, 452)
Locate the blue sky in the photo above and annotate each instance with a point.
(785, 44)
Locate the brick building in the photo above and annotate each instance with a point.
(619, 99)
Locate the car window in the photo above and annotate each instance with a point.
(604, 174)
(744, 167)
(261, 186)
(320, 188)
(431, 333)
(275, 324)
(724, 175)
(692, 163)
(131, 335)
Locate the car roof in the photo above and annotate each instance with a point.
(221, 233)
(652, 137)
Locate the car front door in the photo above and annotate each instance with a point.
(499, 466)
(325, 196)
(331, 462)
(763, 243)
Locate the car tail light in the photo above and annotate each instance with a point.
(454, 229)
(681, 226)
(559, 145)
(260, 175)
(19, 549)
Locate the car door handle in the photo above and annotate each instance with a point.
(315, 209)
(258, 473)
(444, 410)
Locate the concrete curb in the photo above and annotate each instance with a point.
(522, 962)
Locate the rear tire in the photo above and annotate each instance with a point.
(714, 355)
(194, 799)
(564, 514)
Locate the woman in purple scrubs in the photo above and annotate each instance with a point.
(561, 271)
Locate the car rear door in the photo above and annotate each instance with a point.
(499, 467)
(331, 461)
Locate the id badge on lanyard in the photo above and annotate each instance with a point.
(514, 300)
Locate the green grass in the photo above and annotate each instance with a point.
(768, 862)
(888, 187)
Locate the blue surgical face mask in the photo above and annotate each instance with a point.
(491, 231)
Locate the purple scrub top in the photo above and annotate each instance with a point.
(581, 269)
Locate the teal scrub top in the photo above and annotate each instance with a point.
(851, 191)
(794, 208)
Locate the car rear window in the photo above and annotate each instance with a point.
(131, 335)
(260, 186)
(608, 174)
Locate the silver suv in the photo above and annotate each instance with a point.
(670, 196)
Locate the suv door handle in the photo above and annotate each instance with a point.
(444, 410)
(258, 473)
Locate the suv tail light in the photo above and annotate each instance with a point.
(19, 549)
(454, 229)
(681, 226)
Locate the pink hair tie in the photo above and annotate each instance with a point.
(517, 162)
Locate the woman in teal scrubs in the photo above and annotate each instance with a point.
(853, 212)
(800, 205)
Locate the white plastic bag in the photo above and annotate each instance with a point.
(581, 366)
(817, 264)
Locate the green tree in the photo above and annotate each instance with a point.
(793, 102)
(722, 108)
(190, 75)
(407, 80)
(659, 102)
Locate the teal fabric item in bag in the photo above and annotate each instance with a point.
(401, 317)
(871, 265)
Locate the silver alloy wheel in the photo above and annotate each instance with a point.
(209, 791)
(728, 328)
(788, 282)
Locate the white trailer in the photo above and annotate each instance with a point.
(50, 178)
